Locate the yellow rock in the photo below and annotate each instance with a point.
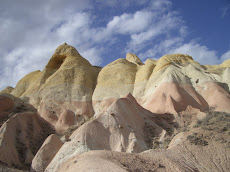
(25, 83)
(174, 58)
(133, 58)
(69, 82)
(145, 71)
(142, 77)
(7, 90)
(218, 69)
(66, 83)
(69, 67)
(151, 61)
(65, 66)
(226, 63)
(119, 72)
(32, 82)
(115, 80)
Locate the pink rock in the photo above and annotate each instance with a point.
(6, 104)
(66, 120)
(215, 96)
(46, 153)
(20, 138)
(172, 98)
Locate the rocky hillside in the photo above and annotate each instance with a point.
(172, 114)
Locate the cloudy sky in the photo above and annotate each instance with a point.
(103, 31)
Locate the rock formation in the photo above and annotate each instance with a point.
(66, 83)
(21, 137)
(171, 114)
(46, 153)
(7, 90)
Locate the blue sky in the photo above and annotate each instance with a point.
(103, 31)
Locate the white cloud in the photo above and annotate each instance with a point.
(142, 26)
(125, 24)
(164, 24)
(93, 55)
(130, 23)
(161, 5)
(162, 48)
(199, 53)
(183, 31)
(21, 61)
(225, 56)
(76, 23)
(122, 3)
(225, 10)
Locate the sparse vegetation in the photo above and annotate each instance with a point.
(197, 139)
(185, 123)
(166, 122)
(5, 168)
(216, 125)
(151, 136)
(215, 121)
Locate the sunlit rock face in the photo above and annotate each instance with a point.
(145, 116)
(66, 84)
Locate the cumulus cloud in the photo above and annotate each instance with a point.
(130, 23)
(93, 55)
(142, 26)
(125, 24)
(160, 5)
(199, 53)
(164, 47)
(225, 56)
(162, 25)
(21, 60)
(121, 3)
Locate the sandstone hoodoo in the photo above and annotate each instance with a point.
(170, 114)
